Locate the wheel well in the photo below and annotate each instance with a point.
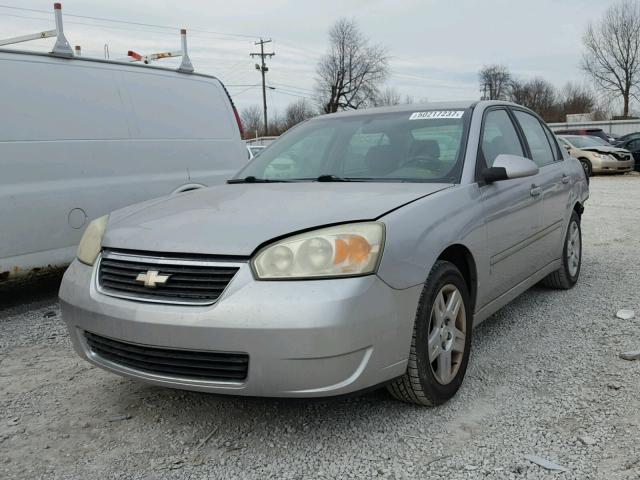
(578, 208)
(462, 258)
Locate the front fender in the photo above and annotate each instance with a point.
(418, 233)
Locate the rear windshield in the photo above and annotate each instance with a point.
(424, 146)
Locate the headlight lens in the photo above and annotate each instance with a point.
(90, 244)
(343, 250)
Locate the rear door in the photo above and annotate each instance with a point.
(513, 214)
(554, 183)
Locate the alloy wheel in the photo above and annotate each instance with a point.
(573, 248)
(447, 334)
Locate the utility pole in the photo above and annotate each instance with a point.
(263, 69)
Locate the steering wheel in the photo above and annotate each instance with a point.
(416, 160)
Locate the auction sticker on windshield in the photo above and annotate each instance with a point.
(435, 114)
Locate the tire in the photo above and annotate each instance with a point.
(426, 382)
(586, 166)
(567, 275)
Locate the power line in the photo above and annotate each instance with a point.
(263, 70)
(293, 87)
(113, 20)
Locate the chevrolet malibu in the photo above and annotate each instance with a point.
(360, 249)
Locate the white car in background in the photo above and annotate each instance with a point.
(254, 150)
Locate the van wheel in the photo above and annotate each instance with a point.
(441, 340)
(567, 275)
(586, 166)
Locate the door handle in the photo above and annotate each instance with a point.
(535, 190)
(565, 178)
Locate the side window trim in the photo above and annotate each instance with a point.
(481, 162)
(524, 138)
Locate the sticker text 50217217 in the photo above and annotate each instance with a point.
(435, 114)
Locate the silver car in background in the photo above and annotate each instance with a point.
(359, 249)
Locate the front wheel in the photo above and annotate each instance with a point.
(441, 340)
(586, 166)
(567, 275)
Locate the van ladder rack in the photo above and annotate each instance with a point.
(185, 65)
(61, 47)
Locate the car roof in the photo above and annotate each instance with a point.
(420, 107)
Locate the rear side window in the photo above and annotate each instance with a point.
(541, 152)
(499, 136)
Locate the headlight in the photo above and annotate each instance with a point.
(343, 250)
(90, 244)
(602, 156)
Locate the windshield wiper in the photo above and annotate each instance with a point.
(331, 178)
(252, 179)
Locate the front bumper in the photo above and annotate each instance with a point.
(309, 338)
(611, 165)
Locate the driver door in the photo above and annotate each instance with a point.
(512, 209)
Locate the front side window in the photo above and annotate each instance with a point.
(499, 137)
(400, 146)
(541, 152)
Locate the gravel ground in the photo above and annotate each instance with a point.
(544, 379)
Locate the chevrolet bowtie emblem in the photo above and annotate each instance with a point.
(152, 278)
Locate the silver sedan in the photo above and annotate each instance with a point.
(360, 249)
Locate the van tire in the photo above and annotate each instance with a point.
(420, 385)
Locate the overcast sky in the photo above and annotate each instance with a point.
(436, 46)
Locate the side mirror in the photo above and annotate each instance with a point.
(566, 147)
(507, 166)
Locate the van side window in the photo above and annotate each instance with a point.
(541, 152)
(499, 136)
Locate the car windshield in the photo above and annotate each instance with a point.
(411, 146)
(600, 141)
(579, 141)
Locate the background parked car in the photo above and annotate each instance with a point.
(632, 144)
(591, 132)
(597, 156)
(80, 137)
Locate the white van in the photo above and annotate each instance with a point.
(80, 137)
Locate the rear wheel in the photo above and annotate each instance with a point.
(441, 340)
(567, 275)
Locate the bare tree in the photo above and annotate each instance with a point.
(612, 56)
(576, 98)
(349, 75)
(537, 94)
(387, 97)
(494, 82)
(297, 112)
(252, 121)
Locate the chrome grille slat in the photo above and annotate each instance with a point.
(191, 282)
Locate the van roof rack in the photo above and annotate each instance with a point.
(185, 65)
(63, 49)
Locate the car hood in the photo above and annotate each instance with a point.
(605, 149)
(236, 219)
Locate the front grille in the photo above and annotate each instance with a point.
(621, 156)
(177, 281)
(199, 365)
